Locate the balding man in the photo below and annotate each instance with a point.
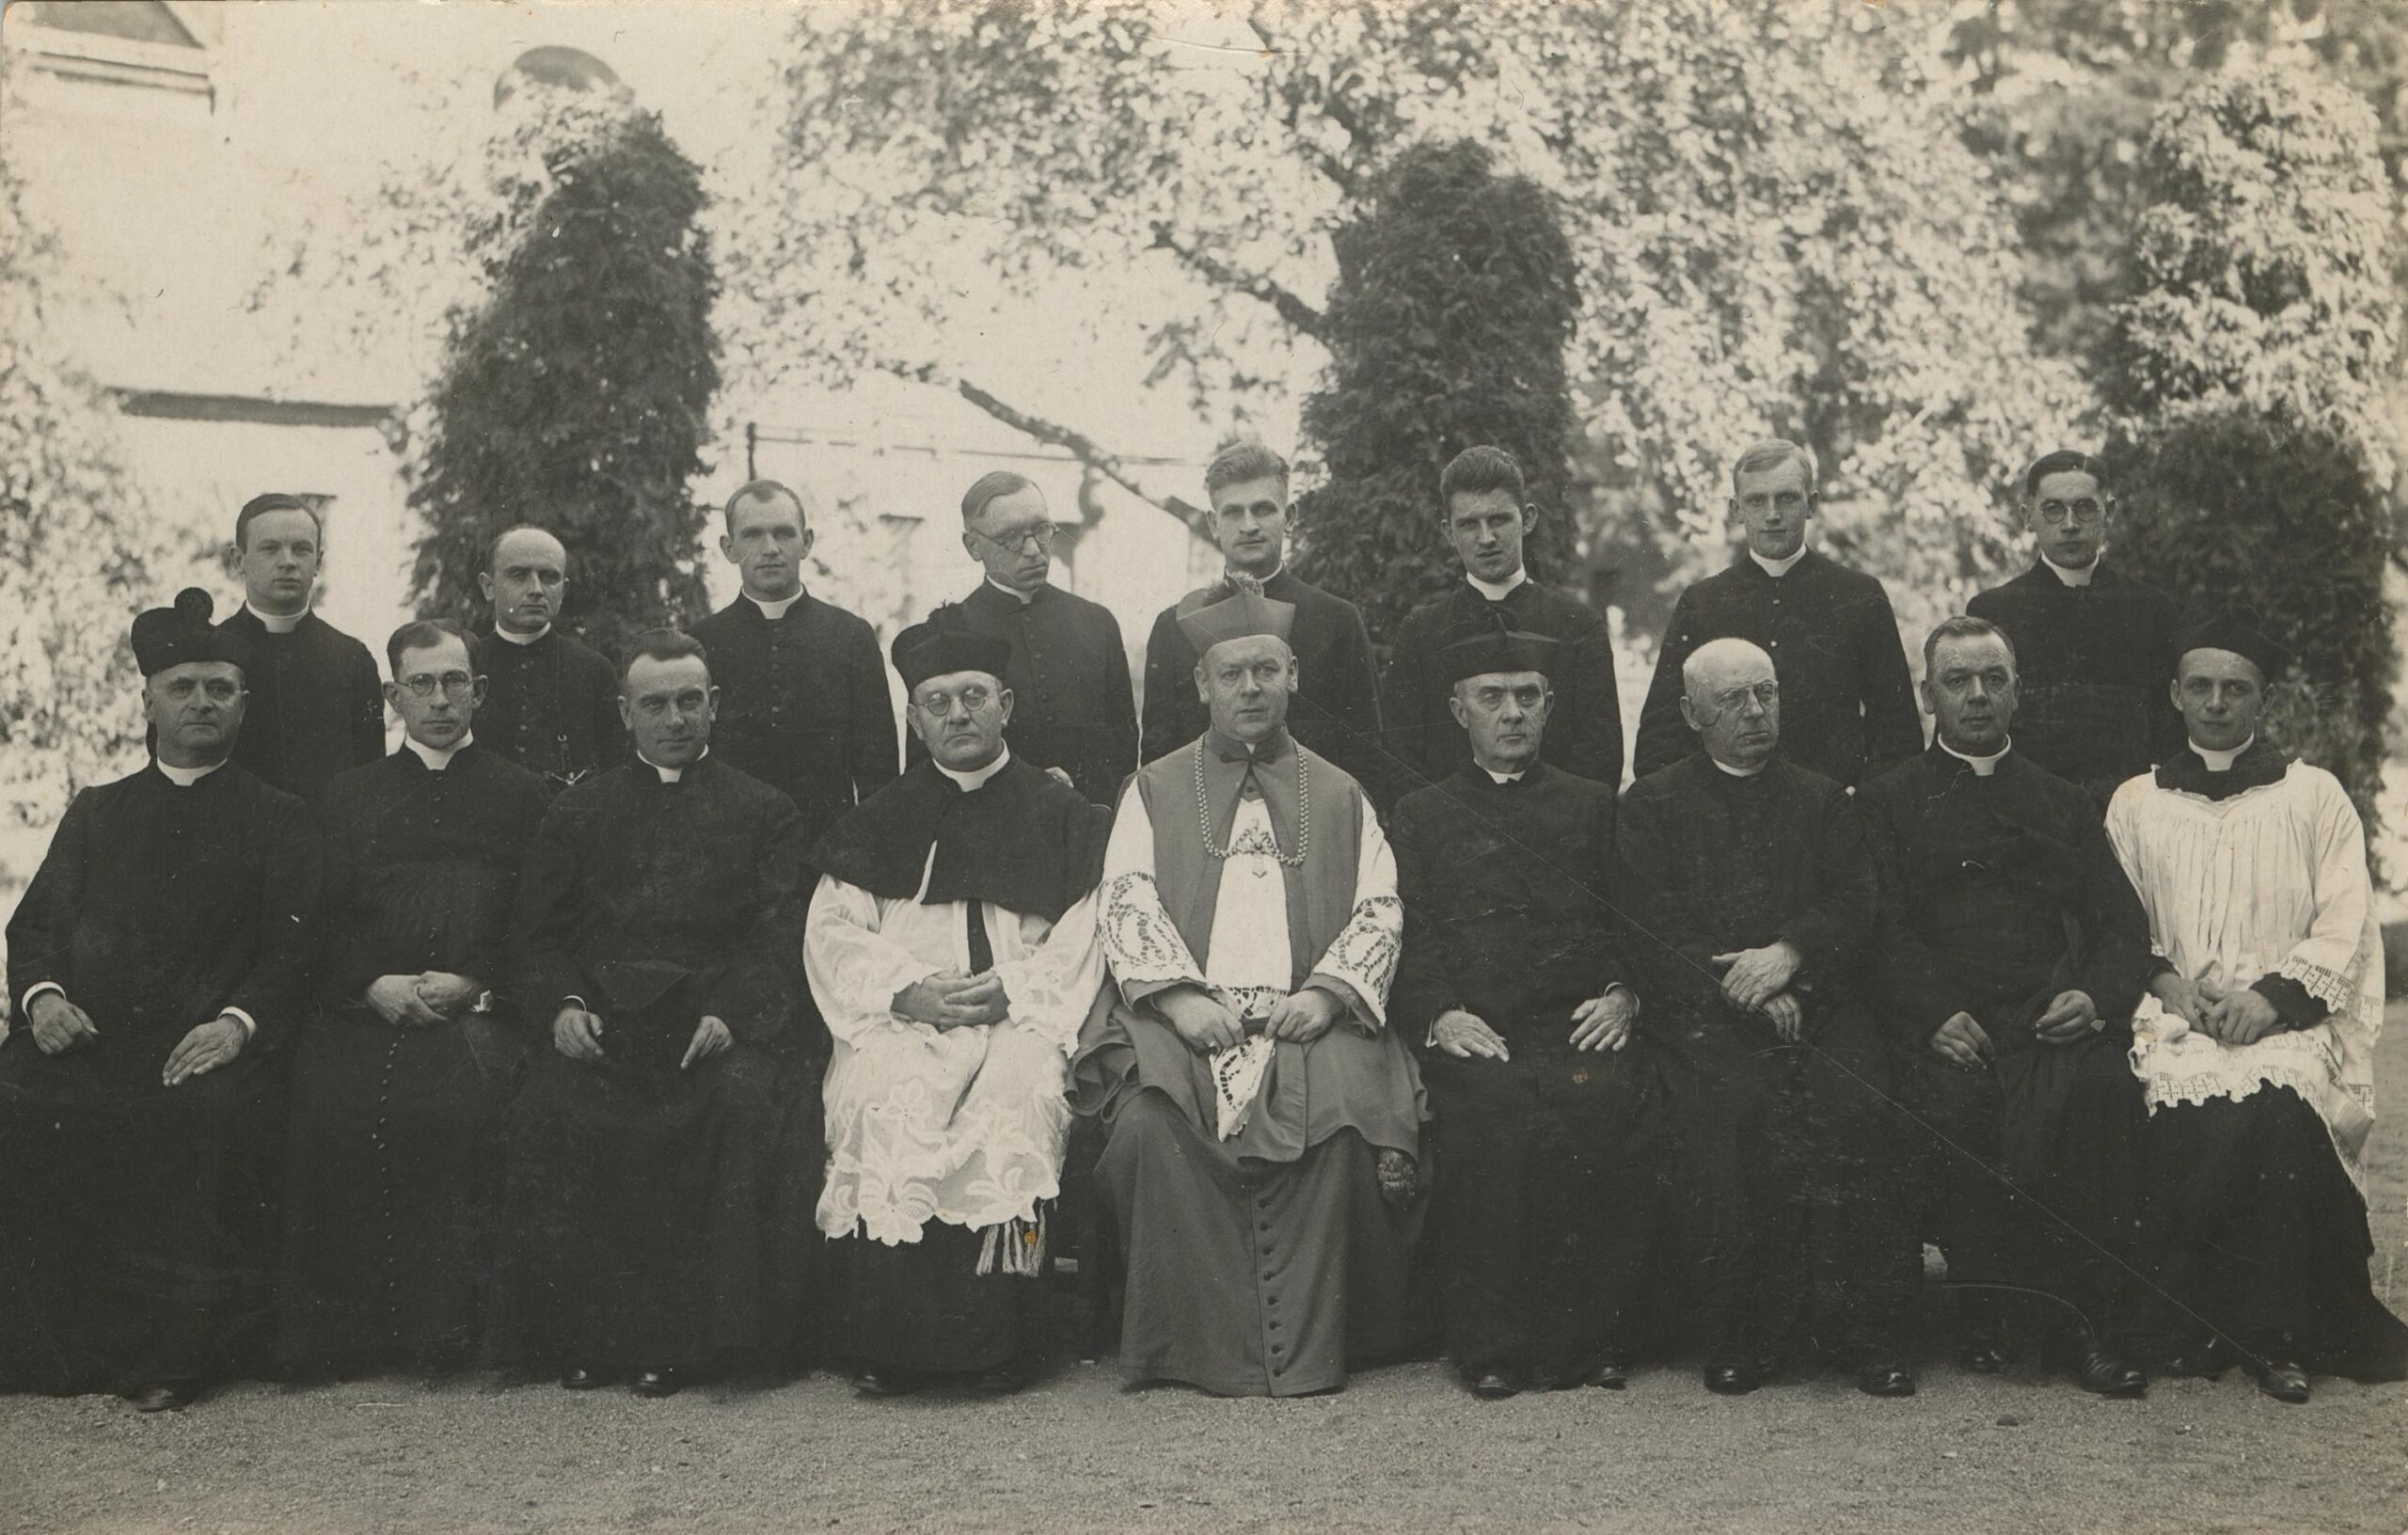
(551, 704)
(1748, 880)
(1848, 706)
(803, 704)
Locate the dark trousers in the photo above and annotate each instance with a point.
(924, 1305)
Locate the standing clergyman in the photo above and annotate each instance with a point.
(316, 707)
(952, 948)
(551, 703)
(1263, 1123)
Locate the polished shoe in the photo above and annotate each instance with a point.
(884, 1381)
(1610, 1375)
(2107, 1374)
(175, 1396)
(1887, 1379)
(2284, 1380)
(1732, 1380)
(582, 1379)
(1984, 1353)
(1495, 1386)
(656, 1383)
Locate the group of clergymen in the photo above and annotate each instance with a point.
(635, 1022)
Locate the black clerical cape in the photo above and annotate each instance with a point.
(551, 706)
(1551, 1164)
(803, 704)
(1068, 675)
(139, 1218)
(657, 1216)
(2092, 664)
(317, 705)
(1583, 729)
(392, 1168)
(1336, 710)
(1847, 706)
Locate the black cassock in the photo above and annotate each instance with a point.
(803, 704)
(2092, 665)
(1335, 709)
(1069, 674)
(317, 705)
(1551, 1168)
(1997, 894)
(655, 1217)
(393, 1161)
(1584, 726)
(1848, 702)
(140, 1220)
(551, 706)
(1792, 1199)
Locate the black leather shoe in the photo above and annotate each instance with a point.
(1495, 1386)
(656, 1383)
(882, 1381)
(582, 1379)
(2110, 1374)
(1610, 1375)
(2284, 1380)
(1732, 1380)
(1887, 1379)
(175, 1396)
(1984, 1353)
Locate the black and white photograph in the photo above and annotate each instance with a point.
(1203, 765)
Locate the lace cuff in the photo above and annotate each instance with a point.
(1365, 954)
(1140, 942)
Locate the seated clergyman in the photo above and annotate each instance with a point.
(1550, 1110)
(1751, 875)
(2255, 1047)
(664, 1153)
(400, 1079)
(1264, 1125)
(2009, 954)
(156, 958)
(951, 949)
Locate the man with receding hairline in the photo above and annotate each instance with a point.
(803, 703)
(552, 703)
(316, 705)
(1847, 702)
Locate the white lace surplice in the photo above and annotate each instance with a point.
(1247, 965)
(2273, 881)
(964, 1126)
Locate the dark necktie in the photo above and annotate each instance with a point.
(982, 953)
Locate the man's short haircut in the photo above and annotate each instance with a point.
(1475, 471)
(1240, 462)
(1772, 453)
(493, 550)
(1965, 626)
(990, 488)
(425, 634)
(763, 490)
(274, 501)
(660, 645)
(2062, 460)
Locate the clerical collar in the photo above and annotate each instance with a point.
(1230, 573)
(668, 775)
(1503, 779)
(2221, 762)
(276, 623)
(972, 782)
(184, 778)
(517, 639)
(2070, 576)
(1739, 772)
(774, 610)
(1983, 767)
(1024, 598)
(1230, 749)
(1497, 591)
(437, 758)
(1778, 568)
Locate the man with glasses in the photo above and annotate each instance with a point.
(551, 704)
(665, 1153)
(2092, 645)
(1072, 713)
(399, 1084)
(156, 960)
(1750, 893)
(1847, 702)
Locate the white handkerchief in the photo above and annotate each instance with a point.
(1237, 1077)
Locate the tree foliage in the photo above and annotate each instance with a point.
(2246, 375)
(578, 395)
(1445, 328)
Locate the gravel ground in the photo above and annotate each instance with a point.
(1403, 1448)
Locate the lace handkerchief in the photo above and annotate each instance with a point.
(1237, 1078)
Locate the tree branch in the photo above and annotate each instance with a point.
(1291, 308)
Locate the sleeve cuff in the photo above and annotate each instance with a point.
(2292, 1001)
(26, 1003)
(250, 1024)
